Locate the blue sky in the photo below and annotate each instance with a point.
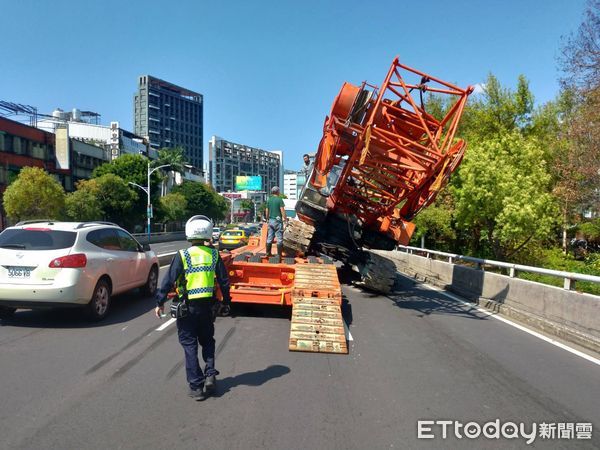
(268, 70)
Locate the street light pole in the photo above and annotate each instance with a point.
(147, 191)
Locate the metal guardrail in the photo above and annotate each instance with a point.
(568, 277)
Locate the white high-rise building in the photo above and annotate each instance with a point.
(292, 184)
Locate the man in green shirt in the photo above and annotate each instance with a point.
(275, 214)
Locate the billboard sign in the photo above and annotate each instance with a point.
(234, 195)
(248, 183)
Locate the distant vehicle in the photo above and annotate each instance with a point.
(55, 264)
(216, 233)
(233, 238)
(252, 230)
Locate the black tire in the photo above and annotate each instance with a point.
(6, 312)
(274, 260)
(149, 289)
(312, 260)
(289, 261)
(255, 259)
(98, 306)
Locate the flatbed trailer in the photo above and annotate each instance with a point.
(309, 285)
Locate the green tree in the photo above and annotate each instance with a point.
(434, 224)
(133, 169)
(498, 110)
(175, 158)
(174, 206)
(35, 194)
(503, 197)
(575, 162)
(202, 199)
(115, 198)
(84, 204)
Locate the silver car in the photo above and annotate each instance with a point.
(49, 264)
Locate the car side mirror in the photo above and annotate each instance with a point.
(146, 247)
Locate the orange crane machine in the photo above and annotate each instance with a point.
(382, 158)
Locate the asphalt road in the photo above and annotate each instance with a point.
(415, 355)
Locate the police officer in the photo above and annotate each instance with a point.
(193, 271)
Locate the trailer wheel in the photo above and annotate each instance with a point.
(378, 273)
(255, 259)
(289, 261)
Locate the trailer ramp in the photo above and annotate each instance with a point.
(317, 323)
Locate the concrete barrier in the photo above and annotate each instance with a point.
(569, 315)
(155, 238)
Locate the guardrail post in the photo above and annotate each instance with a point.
(569, 284)
(450, 259)
(512, 272)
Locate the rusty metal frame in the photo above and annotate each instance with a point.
(399, 154)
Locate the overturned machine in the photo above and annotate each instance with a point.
(382, 158)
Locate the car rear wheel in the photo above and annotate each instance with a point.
(98, 305)
(6, 312)
(149, 288)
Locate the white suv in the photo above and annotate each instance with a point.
(47, 263)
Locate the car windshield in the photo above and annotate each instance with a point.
(216, 229)
(36, 239)
(233, 233)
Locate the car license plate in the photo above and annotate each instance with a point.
(19, 272)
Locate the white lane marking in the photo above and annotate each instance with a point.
(124, 328)
(347, 331)
(166, 324)
(511, 323)
(166, 254)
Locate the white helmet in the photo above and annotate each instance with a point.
(198, 228)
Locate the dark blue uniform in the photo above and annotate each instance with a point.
(197, 326)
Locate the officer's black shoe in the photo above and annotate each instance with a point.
(197, 394)
(210, 384)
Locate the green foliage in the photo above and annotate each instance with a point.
(435, 224)
(133, 169)
(591, 230)
(115, 198)
(247, 205)
(129, 167)
(175, 157)
(556, 260)
(202, 199)
(84, 204)
(35, 194)
(498, 110)
(504, 193)
(174, 207)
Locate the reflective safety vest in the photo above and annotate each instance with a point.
(199, 264)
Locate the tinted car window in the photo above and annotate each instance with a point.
(233, 233)
(127, 242)
(105, 238)
(29, 239)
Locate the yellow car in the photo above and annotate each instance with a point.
(233, 238)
